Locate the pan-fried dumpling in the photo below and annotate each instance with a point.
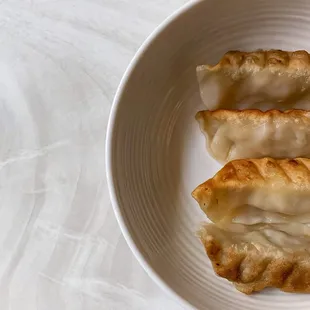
(257, 191)
(234, 134)
(263, 79)
(259, 259)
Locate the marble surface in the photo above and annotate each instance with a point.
(60, 64)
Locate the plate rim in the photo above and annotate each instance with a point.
(108, 152)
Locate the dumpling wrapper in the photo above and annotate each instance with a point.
(234, 134)
(266, 80)
(256, 191)
(259, 259)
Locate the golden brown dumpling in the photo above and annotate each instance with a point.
(259, 259)
(262, 80)
(235, 134)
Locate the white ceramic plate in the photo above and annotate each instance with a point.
(156, 154)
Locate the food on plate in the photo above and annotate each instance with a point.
(235, 134)
(260, 236)
(266, 80)
(259, 259)
(259, 108)
(277, 187)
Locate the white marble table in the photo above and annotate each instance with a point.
(60, 64)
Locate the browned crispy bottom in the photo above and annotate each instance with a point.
(233, 115)
(252, 269)
(297, 60)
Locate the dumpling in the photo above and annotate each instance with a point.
(259, 259)
(257, 191)
(235, 134)
(266, 80)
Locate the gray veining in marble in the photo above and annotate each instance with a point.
(60, 63)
